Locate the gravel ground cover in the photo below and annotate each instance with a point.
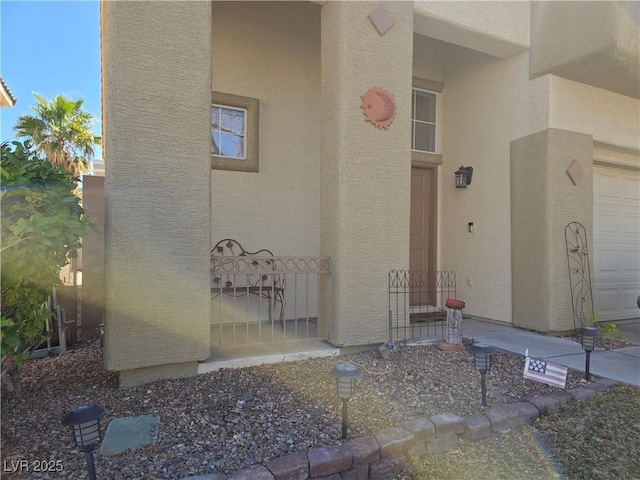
(234, 418)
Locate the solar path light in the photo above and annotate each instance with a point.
(346, 375)
(588, 338)
(482, 360)
(85, 423)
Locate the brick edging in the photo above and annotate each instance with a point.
(380, 455)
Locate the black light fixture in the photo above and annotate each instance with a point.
(463, 176)
(85, 424)
(588, 338)
(346, 375)
(482, 360)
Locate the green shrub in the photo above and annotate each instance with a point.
(41, 226)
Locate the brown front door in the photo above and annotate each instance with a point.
(422, 232)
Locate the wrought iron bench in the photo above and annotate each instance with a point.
(238, 272)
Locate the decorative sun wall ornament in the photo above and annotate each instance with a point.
(378, 107)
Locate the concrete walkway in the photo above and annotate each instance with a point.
(621, 364)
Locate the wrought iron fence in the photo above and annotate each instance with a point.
(417, 304)
(259, 299)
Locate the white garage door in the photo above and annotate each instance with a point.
(616, 238)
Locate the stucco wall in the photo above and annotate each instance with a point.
(496, 28)
(543, 201)
(365, 171)
(609, 117)
(271, 51)
(157, 146)
(487, 103)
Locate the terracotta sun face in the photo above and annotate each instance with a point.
(378, 107)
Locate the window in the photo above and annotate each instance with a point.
(228, 127)
(423, 121)
(234, 132)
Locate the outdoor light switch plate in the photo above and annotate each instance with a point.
(575, 172)
(381, 19)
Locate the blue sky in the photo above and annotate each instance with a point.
(50, 48)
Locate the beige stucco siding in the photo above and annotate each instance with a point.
(609, 117)
(271, 51)
(487, 103)
(157, 86)
(365, 171)
(496, 28)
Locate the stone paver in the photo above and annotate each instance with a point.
(360, 473)
(526, 411)
(328, 460)
(386, 467)
(259, 472)
(448, 423)
(562, 396)
(478, 426)
(545, 404)
(503, 418)
(365, 450)
(581, 394)
(394, 440)
(422, 428)
(290, 467)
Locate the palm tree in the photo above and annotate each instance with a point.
(61, 132)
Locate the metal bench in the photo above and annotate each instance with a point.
(238, 272)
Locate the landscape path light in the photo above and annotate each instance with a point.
(346, 375)
(85, 424)
(588, 338)
(482, 360)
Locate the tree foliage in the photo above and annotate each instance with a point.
(41, 226)
(61, 132)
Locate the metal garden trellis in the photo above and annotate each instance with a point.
(579, 267)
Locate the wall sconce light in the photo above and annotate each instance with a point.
(482, 360)
(345, 374)
(85, 422)
(588, 338)
(463, 176)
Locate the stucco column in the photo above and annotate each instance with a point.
(365, 171)
(156, 101)
(543, 201)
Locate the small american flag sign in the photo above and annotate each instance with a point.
(545, 372)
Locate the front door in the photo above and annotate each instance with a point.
(422, 250)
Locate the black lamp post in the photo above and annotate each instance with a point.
(482, 360)
(345, 374)
(85, 423)
(588, 338)
(463, 176)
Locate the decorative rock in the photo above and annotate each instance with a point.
(596, 386)
(385, 352)
(526, 411)
(545, 404)
(213, 476)
(417, 449)
(290, 467)
(394, 440)
(333, 476)
(421, 428)
(259, 472)
(386, 467)
(562, 396)
(365, 450)
(443, 444)
(478, 426)
(503, 418)
(328, 460)
(607, 382)
(581, 394)
(448, 423)
(360, 473)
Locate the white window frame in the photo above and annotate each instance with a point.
(414, 121)
(244, 129)
(251, 106)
